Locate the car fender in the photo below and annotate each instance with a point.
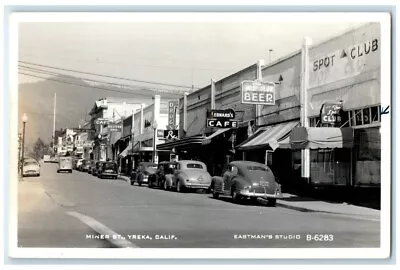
(216, 181)
(169, 179)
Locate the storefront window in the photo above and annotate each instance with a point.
(375, 113)
(366, 116)
(358, 117)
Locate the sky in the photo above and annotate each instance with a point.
(186, 54)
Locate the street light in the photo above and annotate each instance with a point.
(155, 125)
(24, 120)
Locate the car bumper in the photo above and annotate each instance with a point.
(109, 174)
(254, 194)
(197, 185)
(28, 173)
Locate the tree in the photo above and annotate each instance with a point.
(40, 149)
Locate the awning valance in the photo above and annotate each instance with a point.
(125, 152)
(193, 140)
(269, 137)
(321, 137)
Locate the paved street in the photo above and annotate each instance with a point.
(69, 210)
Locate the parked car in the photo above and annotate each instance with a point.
(85, 165)
(162, 178)
(247, 179)
(46, 158)
(142, 172)
(30, 167)
(64, 164)
(78, 164)
(108, 169)
(91, 165)
(97, 168)
(190, 174)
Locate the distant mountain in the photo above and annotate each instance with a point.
(73, 104)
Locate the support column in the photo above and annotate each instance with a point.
(260, 64)
(304, 103)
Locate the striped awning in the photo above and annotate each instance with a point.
(272, 135)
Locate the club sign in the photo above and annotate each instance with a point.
(258, 92)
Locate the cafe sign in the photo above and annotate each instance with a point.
(258, 92)
(222, 119)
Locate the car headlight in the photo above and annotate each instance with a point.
(255, 184)
(247, 187)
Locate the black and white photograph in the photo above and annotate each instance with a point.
(200, 135)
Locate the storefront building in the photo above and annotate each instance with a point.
(107, 111)
(146, 126)
(344, 69)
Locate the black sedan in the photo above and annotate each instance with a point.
(247, 179)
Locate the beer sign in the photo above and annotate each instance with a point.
(258, 92)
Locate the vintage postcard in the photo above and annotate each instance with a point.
(199, 135)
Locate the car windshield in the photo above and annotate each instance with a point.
(26, 163)
(194, 166)
(110, 165)
(257, 168)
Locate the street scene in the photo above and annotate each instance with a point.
(133, 140)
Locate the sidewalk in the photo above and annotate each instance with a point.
(304, 204)
(124, 178)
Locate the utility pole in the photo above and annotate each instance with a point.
(270, 53)
(54, 120)
(305, 153)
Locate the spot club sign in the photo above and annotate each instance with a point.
(258, 92)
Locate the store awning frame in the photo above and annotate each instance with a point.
(265, 136)
(193, 140)
(321, 137)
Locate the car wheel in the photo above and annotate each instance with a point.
(271, 202)
(179, 187)
(235, 196)
(165, 186)
(215, 193)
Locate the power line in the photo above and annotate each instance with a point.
(88, 86)
(103, 75)
(42, 71)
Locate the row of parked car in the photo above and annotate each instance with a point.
(101, 169)
(240, 179)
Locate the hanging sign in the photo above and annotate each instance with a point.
(172, 108)
(114, 127)
(220, 123)
(222, 114)
(101, 121)
(258, 92)
(171, 134)
(330, 113)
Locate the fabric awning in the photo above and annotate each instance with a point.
(321, 137)
(265, 136)
(125, 152)
(115, 136)
(208, 139)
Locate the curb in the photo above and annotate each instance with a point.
(303, 209)
(124, 178)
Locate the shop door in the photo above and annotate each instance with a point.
(330, 166)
